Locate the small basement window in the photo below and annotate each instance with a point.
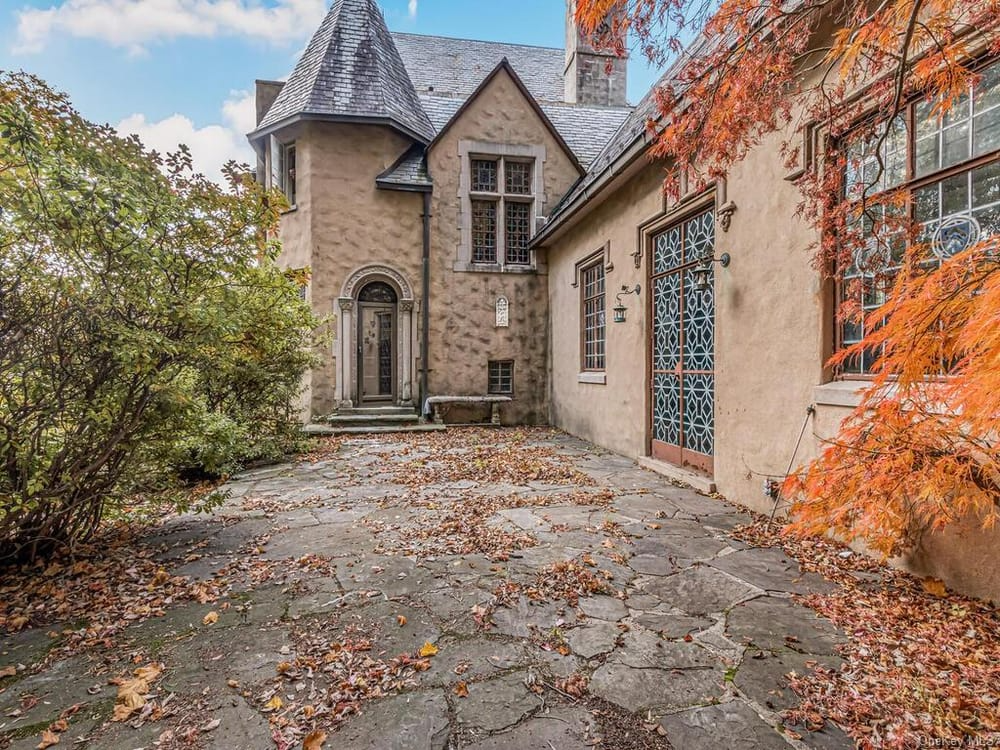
(501, 376)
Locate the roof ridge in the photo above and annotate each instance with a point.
(478, 41)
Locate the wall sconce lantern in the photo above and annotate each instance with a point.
(619, 309)
(704, 269)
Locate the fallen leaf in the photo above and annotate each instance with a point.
(274, 704)
(49, 739)
(401, 620)
(61, 725)
(210, 618)
(314, 740)
(212, 725)
(233, 683)
(10, 671)
(935, 587)
(428, 649)
(461, 690)
(161, 577)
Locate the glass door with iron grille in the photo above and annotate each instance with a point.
(683, 346)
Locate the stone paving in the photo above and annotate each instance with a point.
(698, 636)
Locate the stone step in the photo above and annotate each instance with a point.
(367, 420)
(376, 410)
(328, 429)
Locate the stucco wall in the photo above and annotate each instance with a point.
(612, 414)
(774, 320)
(343, 222)
(463, 334)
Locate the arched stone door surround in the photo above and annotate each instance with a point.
(346, 346)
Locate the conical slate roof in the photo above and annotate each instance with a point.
(351, 70)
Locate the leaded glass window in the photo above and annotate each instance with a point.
(502, 210)
(518, 177)
(484, 175)
(484, 232)
(947, 171)
(593, 316)
(518, 232)
(501, 377)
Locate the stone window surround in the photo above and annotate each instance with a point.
(467, 149)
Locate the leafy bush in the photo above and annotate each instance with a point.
(144, 326)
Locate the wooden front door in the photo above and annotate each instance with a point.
(377, 344)
(377, 356)
(683, 346)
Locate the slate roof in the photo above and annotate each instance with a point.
(586, 130)
(352, 70)
(633, 130)
(408, 173)
(455, 67)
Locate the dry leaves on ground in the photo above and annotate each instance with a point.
(133, 691)
(487, 456)
(327, 680)
(918, 665)
(460, 523)
(107, 585)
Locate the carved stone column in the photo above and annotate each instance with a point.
(406, 351)
(344, 354)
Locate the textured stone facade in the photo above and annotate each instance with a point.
(337, 166)
(463, 331)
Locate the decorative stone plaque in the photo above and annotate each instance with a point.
(503, 313)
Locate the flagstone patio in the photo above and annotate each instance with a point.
(680, 633)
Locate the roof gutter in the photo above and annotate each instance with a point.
(623, 163)
(260, 133)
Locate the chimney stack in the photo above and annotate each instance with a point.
(592, 76)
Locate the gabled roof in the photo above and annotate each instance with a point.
(455, 67)
(505, 67)
(586, 129)
(351, 70)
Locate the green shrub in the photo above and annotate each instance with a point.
(145, 329)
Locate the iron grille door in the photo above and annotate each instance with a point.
(683, 351)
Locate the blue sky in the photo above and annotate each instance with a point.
(183, 70)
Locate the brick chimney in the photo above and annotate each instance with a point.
(592, 76)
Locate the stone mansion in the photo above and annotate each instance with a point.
(483, 219)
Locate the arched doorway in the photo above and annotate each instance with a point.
(378, 346)
(367, 293)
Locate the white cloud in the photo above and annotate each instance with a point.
(413, 9)
(130, 24)
(211, 146)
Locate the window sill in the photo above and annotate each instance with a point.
(465, 267)
(290, 210)
(595, 378)
(840, 393)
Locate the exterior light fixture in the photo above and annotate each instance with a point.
(704, 269)
(619, 309)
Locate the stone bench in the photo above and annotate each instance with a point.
(432, 406)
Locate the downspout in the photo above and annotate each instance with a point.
(425, 296)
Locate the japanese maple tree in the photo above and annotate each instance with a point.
(920, 450)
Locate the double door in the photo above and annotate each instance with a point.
(683, 346)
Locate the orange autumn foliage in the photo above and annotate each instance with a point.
(920, 451)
